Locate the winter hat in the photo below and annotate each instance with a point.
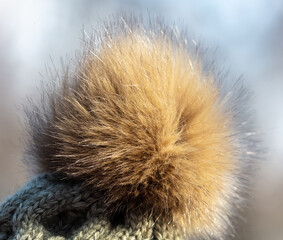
(143, 139)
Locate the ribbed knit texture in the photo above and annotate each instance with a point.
(50, 209)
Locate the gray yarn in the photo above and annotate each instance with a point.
(49, 209)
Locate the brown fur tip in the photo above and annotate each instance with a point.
(141, 122)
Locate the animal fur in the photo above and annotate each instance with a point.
(140, 121)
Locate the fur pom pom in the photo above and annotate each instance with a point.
(141, 121)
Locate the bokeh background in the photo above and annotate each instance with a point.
(247, 33)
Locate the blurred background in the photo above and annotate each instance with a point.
(247, 33)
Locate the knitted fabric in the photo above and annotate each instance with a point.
(49, 209)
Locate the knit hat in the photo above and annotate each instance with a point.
(143, 139)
